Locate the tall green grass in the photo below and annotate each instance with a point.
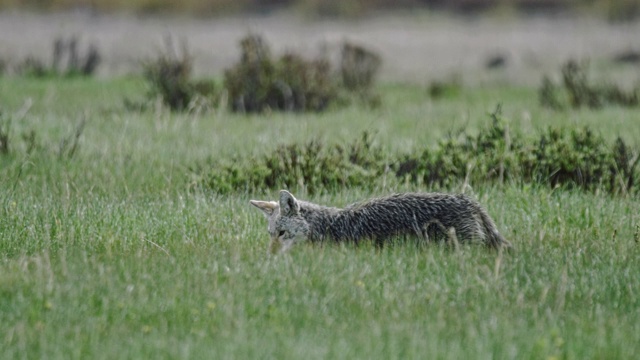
(108, 254)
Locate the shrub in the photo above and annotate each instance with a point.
(5, 127)
(627, 57)
(626, 160)
(67, 61)
(76, 63)
(290, 83)
(489, 156)
(581, 92)
(248, 82)
(548, 94)
(440, 89)
(496, 61)
(313, 166)
(33, 67)
(303, 85)
(359, 67)
(169, 77)
(576, 158)
(261, 82)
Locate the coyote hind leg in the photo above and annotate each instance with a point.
(449, 233)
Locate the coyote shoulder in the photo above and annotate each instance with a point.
(427, 216)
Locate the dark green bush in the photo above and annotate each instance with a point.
(440, 89)
(248, 83)
(626, 160)
(496, 61)
(304, 85)
(359, 67)
(67, 61)
(261, 82)
(576, 158)
(581, 92)
(5, 127)
(77, 64)
(549, 94)
(313, 166)
(290, 83)
(492, 155)
(33, 67)
(169, 77)
(630, 57)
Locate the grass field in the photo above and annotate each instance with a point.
(106, 252)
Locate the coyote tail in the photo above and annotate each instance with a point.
(493, 237)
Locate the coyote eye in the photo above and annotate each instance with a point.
(281, 233)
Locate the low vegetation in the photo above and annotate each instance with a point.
(314, 166)
(260, 82)
(169, 78)
(28, 141)
(359, 67)
(67, 60)
(569, 158)
(580, 91)
(443, 89)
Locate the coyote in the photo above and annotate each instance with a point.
(427, 216)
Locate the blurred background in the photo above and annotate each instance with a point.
(613, 9)
(507, 41)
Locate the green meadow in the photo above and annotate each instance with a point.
(108, 251)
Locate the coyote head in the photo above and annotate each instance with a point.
(286, 226)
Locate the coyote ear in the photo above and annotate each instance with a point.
(288, 204)
(267, 207)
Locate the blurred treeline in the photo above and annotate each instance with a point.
(612, 9)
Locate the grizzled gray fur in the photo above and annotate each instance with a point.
(428, 216)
